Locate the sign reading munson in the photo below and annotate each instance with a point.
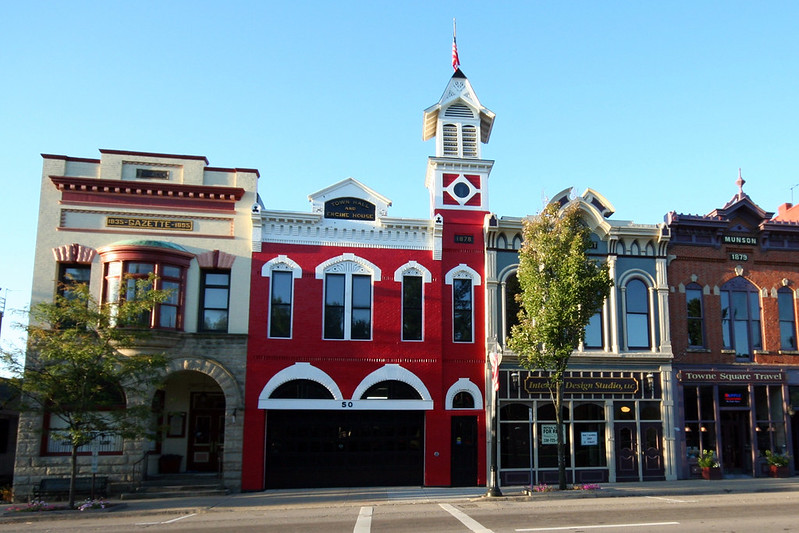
(149, 223)
(349, 209)
(581, 385)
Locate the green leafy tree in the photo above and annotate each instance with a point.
(561, 289)
(85, 366)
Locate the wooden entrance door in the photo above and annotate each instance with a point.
(652, 451)
(206, 432)
(626, 452)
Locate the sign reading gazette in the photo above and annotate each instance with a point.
(149, 223)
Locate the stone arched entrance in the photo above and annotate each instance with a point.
(199, 414)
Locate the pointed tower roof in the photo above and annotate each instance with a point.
(458, 88)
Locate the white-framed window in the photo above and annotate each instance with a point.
(281, 272)
(413, 276)
(637, 314)
(463, 280)
(347, 303)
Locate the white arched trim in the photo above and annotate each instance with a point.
(299, 371)
(506, 272)
(282, 263)
(463, 271)
(636, 273)
(464, 385)
(348, 262)
(392, 372)
(413, 268)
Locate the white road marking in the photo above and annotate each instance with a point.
(675, 500)
(165, 521)
(465, 519)
(603, 526)
(364, 523)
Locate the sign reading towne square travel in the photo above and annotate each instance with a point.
(732, 376)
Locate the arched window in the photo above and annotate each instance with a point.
(463, 400)
(391, 390)
(282, 272)
(347, 297)
(512, 307)
(695, 315)
(740, 317)
(637, 307)
(785, 300)
(463, 279)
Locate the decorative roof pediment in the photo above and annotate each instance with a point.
(352, 190)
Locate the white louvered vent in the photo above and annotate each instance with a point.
(469, 141)
(459, 110)
(450, 140)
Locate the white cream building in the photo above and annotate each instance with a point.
(130, 213)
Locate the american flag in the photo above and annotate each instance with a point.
(456, 63)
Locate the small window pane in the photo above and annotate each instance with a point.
(411, 308)
(216, 278)
(638, 331)
(140, 268)
(361, 291)
(593, 332)
(170, 271)
(215, 320)
(636, 297)
(174, 291)
(216, 298)
(334, 289)
(280, 308)
(168, 316)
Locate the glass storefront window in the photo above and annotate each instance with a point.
(691, 403)
(624, 410)
(706, 403)
(589, 444)
(734, 396)
(649, 410)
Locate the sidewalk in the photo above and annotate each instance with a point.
(373, 496)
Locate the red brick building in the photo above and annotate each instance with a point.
(366, 352)
(733, 275)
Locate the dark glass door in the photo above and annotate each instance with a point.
(464, 451)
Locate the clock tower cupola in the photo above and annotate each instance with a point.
(457, 176)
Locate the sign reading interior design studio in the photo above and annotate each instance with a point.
(349, 209)
(149, 223)
(584, 385)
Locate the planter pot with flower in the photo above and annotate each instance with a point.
(709, 464)
(778, 464)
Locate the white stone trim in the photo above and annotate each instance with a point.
(348, 263)
(297, 371)
(463, 271)
(283, 263)
(464, 385)
(393, 372)
(412, 268)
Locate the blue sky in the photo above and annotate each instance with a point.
(653, 104)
